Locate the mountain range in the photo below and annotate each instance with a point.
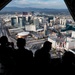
(29, 9)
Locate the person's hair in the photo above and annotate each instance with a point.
(3, 40)
(21, 42)
(47, 46)
(47, 43)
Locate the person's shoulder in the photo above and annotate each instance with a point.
(38, 51)
(29, 51)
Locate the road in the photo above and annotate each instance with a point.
(32, 44)
(35, 44)
(4, 31)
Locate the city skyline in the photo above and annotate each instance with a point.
(56, 4)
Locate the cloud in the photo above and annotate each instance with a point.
(38, 3)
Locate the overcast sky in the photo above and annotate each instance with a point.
(38, 3)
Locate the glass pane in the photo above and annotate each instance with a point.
(38, 21)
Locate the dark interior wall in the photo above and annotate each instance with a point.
(71, 6)
(3, 3)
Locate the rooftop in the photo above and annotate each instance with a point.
(23, 33)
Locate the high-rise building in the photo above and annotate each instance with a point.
(63, 21)
(73, 34)
(51, 22)
(36, 23)
(50, 18)
(21, 21)
(29, 19)
(45, 29)
(25, 13)
(14, 21)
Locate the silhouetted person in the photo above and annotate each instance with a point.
(6, 55)
(68, 61)
(23, 57)
(42, 57)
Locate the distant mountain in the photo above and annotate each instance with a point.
(28, 9)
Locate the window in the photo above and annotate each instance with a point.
(44, 19)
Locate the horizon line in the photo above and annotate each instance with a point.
(34, 7)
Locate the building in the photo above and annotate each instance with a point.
(53, 40)
(50, 18)
(18, 21)
(14, 21)
(29, 19)
(30, 28)
(21, 21)
(45, 29)
(57, 43)
(36, 23)
(63, 21)
(51, 22)
(25, 13)
(22, 34)
(70, 43)
(73, 34)
(34, 26)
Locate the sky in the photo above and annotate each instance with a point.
(58, 4)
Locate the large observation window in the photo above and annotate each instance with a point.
(41, 20)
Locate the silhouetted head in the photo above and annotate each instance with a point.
(68, 57)
(4, 40)
(21, 42)
(47, 46)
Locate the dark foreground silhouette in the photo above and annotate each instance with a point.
(6, 55)
(42, 58)
(21, 61)
(23, 58)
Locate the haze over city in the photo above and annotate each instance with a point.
(56, 4)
